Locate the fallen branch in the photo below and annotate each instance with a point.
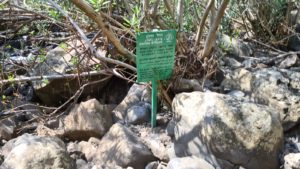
(52, 77)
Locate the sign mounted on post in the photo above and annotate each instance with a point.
(155, 55)
(155, 60)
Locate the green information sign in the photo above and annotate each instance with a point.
(155, 55)
(155, 60)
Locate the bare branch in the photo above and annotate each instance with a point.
(82, 35)
(91, 13)
(52, 77)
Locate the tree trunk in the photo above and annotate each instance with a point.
(202, 22)
(211, 37)
(179, 15)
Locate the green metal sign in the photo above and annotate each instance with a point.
(155, 60)
(155, 55)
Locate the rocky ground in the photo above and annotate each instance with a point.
(248, 118)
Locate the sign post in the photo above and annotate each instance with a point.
(155, 60)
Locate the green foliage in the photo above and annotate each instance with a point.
(265, 17)
(64, 46)
(11, 78)
(134, 21)
(45, 81)
(99, 4)
(74, 60)
(42, 56)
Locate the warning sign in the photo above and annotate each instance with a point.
(155, 55)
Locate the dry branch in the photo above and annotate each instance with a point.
(52, 77)
(90, 12)
(85, 39)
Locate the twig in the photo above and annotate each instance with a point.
(118, 24)
(44, 16)
(165, 94)
(268, 46)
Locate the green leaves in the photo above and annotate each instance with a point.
(134, 22)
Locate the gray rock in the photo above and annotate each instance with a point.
(155, 165)
(28, 151)
(158, 144)
(234, 47)
(139, 113)
(292, 161)
(7, 127)
(294, 43)
(186, 85)
(278, 88)
(170, 128)
(189, 163)
(119, 147)
(135, 95)
(239, 79)
(237, 93)
(226, 131)
(81, 164)
(289, 61)
(232, 63)
(88, 119)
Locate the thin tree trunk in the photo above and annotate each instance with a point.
(169, 7)
(211, 37)
(179, 15)
(89, 11)
(212, 14)
(146, 14)
(202, 22)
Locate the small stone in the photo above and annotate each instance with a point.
(189, 163)
(292, 161)
(289, 61)
(139, 114)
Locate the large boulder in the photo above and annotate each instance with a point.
(226, 131)
(28, 151)
(278, 88)
(87, 119)
(119, 147)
